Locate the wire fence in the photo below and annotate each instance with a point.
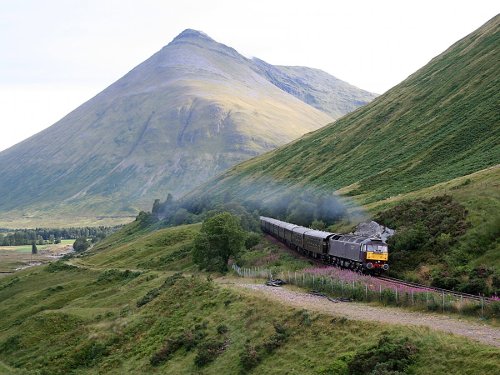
(395, 295)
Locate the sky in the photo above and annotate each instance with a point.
(57, 54)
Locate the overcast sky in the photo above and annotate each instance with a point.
(56, 54)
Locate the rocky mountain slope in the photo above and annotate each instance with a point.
(187, 113)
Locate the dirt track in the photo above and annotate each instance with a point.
(483, 333)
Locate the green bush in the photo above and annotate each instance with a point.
(249, 357)
(150, 295)
(11, 344)
(81, 244)
(390, 356)
(252, 240)
(161, 356)
(278, 339)
(208, 352)
(171, 280)
(116, 275)
(188, 340)
(89, 354)
(60, 266)
(222, 329)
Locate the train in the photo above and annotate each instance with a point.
(363, 254)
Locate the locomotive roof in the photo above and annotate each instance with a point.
(289, 226)
(270, 220)
(300, 230)
(356, 239)
(318, 233)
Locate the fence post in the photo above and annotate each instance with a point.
(443, 299)
(396, 294)
(380, 292)
(482, 307)
(366, 292)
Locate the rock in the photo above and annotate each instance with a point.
(373, 229)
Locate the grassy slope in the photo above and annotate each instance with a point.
(479, 193)
(439, 124)
(96, 327)
(426, 136)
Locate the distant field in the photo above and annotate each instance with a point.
(13, 257)
(15, 219)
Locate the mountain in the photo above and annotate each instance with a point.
(441, 123)
(189, 112)
(314, 87)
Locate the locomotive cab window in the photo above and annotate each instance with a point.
(377, 248)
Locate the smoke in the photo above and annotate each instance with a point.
(302, 205)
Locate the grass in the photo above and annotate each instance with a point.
(90, 308)
(270, 255)
(144, 249)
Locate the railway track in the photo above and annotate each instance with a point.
(387, 278)
(435, 289)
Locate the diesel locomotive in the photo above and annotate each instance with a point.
(348, 251)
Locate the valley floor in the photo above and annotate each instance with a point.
(485, 334)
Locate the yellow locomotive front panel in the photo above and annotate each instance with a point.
(377, 256)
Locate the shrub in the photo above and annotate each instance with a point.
(116, 275)
(275, 341)
(11, 344)
(208, 352)
(249, 357)
(171, 280)
(252, 240)
(188, 340)
(81, 244)
(60, 266)
(389, 356)
(222, 329)
(89, 354)
(161, 356)
(150, 295)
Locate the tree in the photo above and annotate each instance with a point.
(156, 207)
(220, 237)
(34, 249)
(81, 244)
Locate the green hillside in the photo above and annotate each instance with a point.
(122, 309)
(435, 134)
(189, 112)
(442, 122)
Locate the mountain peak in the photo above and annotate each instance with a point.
(192, 34)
